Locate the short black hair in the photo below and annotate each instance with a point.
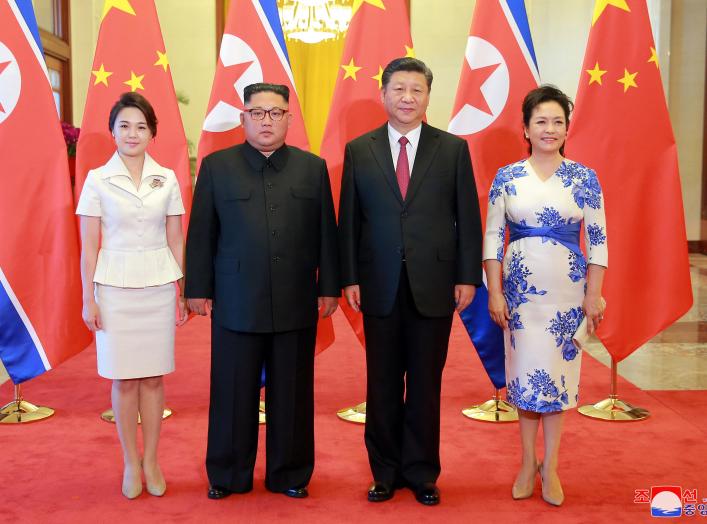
(540, 95)
(262, 87)
(137, 101)
(406, 63)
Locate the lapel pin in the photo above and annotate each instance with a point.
(156, 182)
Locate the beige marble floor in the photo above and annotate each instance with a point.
(675, 359)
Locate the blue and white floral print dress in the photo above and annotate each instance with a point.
(543, 278)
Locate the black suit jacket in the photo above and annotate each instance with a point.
(262, 238)
(436, 229)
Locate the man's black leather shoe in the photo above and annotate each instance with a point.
(380, 492)
(427, 494)
(297, 493)
(216, 493)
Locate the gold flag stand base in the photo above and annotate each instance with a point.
(613, 409)
(494, 410)
(108, 415)
(355, 414)
(261, 412)
(20, 411)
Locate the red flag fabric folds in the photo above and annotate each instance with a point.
(131, 56)
(621, 128)
(40, 284)
(249, 53)
(498, 71)
(379, 32)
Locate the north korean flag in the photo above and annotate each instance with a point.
(40, 285)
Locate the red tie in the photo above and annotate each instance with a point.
(402, 170)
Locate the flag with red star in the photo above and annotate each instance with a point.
(40, 283)
(250, 52)
(131, 56)
(378, 33)
(498, 70)
(621, 128)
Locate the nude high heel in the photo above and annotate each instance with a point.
(131, 488)
(156, 489)
(519, 493)
(555, 500)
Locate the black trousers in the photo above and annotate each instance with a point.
(236, 362)
(405, 356)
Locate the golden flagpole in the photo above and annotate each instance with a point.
(614, 409)
(19, 411)
(493, 410)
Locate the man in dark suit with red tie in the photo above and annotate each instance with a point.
(410, 249)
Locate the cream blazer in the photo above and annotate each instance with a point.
(134, 251)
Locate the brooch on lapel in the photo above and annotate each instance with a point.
(156, 182)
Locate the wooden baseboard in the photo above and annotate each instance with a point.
(697, 246)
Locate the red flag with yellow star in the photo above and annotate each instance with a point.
(131, 56)
(621, 128)
(379, 32)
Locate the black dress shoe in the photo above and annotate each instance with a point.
(216, 492)
(380, 492)
(297, 493)
(427, 494)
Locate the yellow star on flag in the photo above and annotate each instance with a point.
(135, 82)
(654, 57)
(595, 74)
(101, 76)
(162, 60)
(358, 3)
(628, 80)
(409, 52)
(351, 69)
(600, 5)
(379, 77)
(120, 5)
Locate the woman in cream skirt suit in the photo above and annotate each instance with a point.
(132, 254)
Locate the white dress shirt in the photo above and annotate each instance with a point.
(411, 147)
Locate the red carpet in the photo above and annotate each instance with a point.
(68, 468)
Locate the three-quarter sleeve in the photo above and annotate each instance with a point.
(90, 201)
(175, 205)
(595, 222)
(494, 237)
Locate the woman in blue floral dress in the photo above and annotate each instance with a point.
(543, 286)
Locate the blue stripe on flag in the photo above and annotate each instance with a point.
(25, 7)
(270, 10)
(486, 336)
(18, 353)
(520, 15)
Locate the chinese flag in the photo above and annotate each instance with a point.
(40, 284)
(621, 128)
(250, 52)
(379, 32)
(499, 69)
(131, 56)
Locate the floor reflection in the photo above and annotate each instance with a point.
(676, 358)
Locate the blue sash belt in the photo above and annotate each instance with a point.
(565, 234)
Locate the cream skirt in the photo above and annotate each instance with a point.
(137, 339)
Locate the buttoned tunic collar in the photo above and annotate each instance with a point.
(257, 160)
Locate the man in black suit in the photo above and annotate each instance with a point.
(262, 255)
(410, 248)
